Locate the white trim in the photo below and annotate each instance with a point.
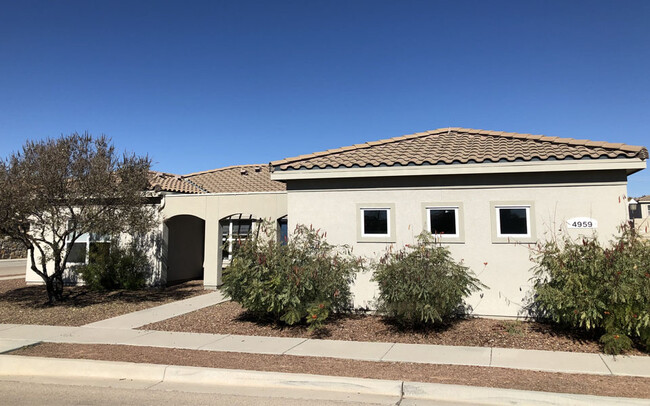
(363, 223)
(456, 210)
(635, 164)
(498, 221)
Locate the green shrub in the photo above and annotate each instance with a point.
(304, 278)
(119, 268)
(606, 289)
(421, 284)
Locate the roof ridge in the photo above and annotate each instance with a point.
(504, 134)
(221, 169)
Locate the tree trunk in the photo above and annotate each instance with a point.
(54, 285)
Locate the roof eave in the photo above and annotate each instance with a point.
(630, 165)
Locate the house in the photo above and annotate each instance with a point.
(490, 197)
(640, 214)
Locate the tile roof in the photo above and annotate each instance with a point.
(645, 198)
(236, 179)
(459, 145)
(232, 179)
(171, 183)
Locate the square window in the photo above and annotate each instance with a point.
(513, 221)
(375, 222)
(77, 253)
(443, 221)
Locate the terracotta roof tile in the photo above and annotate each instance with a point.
(459, 145)
(172, 183)
(236, 179)
(232, 179)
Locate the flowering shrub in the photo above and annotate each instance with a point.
(421, 284)
(582, 284)
(304, 278)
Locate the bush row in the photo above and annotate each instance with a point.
(579, 284)
(305, 279)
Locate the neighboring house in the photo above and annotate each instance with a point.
(640, 214)
(490, 196)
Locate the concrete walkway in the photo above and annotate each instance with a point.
(159, 313)
(121, 330)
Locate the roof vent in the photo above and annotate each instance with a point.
(243, 171)
(258, 169)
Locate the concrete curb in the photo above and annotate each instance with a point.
(193, 377)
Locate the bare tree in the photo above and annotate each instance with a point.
(56, 190)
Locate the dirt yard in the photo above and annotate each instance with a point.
(22, 304)
(449, 374)
(230, 318)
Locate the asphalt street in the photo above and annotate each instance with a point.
(9, 267)
(60, 394)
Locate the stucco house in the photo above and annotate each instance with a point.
(489, 196)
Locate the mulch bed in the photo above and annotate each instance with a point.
(23, 304)
(449, 374)
(230, 318)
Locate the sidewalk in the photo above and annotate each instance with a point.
(121, 330)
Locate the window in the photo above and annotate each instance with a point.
(376, 223)
(87, 247)
(233, 231)
(283, 230)
(511, 222)
(443, 221)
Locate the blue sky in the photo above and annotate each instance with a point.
(199, 85)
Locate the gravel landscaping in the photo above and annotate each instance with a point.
(230, 318)
(449, 374)
(22, 304)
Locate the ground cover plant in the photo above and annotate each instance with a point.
(585, 285)
(421, 284)
(301, 279)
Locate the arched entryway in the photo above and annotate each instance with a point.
(185, 248)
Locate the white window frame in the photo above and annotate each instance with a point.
(389, 236)
(87, 240)
(499, 237)
(456, 210)
(230, 239)
(459, 237)
(363, 222)
(498, 217)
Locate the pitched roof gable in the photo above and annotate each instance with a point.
(459, 145)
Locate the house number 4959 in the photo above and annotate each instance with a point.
(582, 222)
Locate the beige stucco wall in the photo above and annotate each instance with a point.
(555, 198)
(211, 208)
(214, 207)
